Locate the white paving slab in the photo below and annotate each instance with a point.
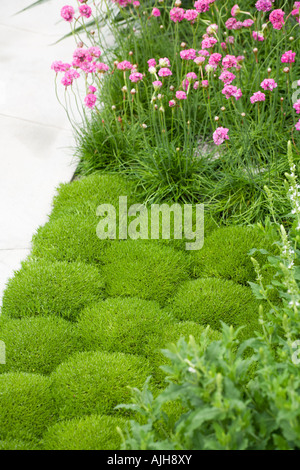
(35, 135)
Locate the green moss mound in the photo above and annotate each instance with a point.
(171, 334)
(87, 433)
(121, 324)
(70, 238)
(26, 406)
(95, 382)
(37, 344)
(225, 254)
(210, 301)
(13, 444)
(86, 194)
(45, 288)
(147, 270)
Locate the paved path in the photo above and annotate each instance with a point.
(35, 135)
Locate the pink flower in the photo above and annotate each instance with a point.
(230, 90)
(227, 77)
(188, 54)
(258, 96)
(298, 125)
(164, 62)
(203, 53)
(277, 18)
(248, 23)
(90, 100)
(205, 84)
(288, 57)
(172, 103)
(263, 5)
(196, 85)
(92, 89)
(94, 51)
(124, 65)
(220, 135)
(67, 13)
(208, 43)
(155, 12)
(212, 28)
(151, 62)
(136, 3)
(157, 84)
(202, 6)
(102, 67)
(258, 36)
(235, 10)
(85, 11)
(215, 58)
(80, 56)
(230, 40)
(191, 76)
(297, 107)
(268, 84)
(229, 61)
(191, 15)
(165, 72)
(181, 95)
(177, 14)
(136, 77)
(231, 23)
(69, 77)
(185, 84)
(59, 66)
(199, 60)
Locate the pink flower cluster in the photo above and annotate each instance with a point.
(288, 57)
(67, 12)
(220, 135)
(258, 96)
(263, 5)
(277, 18)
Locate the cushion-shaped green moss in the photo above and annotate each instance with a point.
(45, 288)
(95, 382)
(225, 254)
(136, 268)
(37, 344)
(122, 324)
(210, 301)
(26, 406)
(69, 238)
(83, 196)
(87, 433)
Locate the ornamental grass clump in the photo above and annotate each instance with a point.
(138, 268)
(217, 81)
(37, 344)
(95, 432)
(125, 325)
(95, 382)
(60, 289)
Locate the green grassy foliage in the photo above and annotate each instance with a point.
(87, 433)
(83, 196)
(95, 382)
(225, 253)
(210, 301)
(122, 325)
(143, 269)
(26, 406)
(37, 344)
(44, 288)
(69, 238)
